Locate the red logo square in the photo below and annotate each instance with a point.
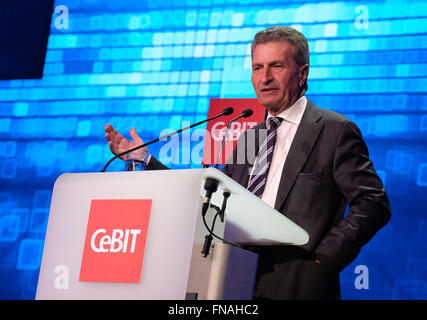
(215, 129)
(115, 241)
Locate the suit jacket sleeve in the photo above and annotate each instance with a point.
(155, 164)
(369, 208)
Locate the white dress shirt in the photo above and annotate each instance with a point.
(284, 137)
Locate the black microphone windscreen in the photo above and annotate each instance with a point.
(227, 111)
(247, 113)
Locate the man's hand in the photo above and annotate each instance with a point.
(118, 144)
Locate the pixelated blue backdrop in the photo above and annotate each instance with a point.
(154, 64)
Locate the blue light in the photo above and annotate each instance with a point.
(30, 254)
(83, 128)
(422, 175)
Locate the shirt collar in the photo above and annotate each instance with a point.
(293, 114)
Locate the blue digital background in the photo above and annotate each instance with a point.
(154, 64)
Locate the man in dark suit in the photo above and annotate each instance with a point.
(309, 165)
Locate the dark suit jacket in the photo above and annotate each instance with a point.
(327, 167)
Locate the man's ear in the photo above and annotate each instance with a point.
(303, 73)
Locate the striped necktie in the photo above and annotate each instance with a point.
(261, 167)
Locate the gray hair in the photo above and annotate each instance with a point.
(287, 34)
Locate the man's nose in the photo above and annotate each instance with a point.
(266, 75)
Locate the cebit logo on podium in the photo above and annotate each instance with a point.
(115, 241)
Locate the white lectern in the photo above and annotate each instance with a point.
(172, 264)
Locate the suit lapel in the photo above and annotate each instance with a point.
(305, 137)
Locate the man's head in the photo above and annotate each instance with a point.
(280, 64)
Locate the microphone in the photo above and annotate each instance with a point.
(226, 195)
(225, 112)
(211, 186)
(246, 113)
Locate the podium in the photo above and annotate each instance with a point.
(172, 268)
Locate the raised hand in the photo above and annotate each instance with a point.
(118, 144)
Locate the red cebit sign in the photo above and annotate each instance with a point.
(215, 129)
(115, 241)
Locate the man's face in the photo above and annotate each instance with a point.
(276, 77)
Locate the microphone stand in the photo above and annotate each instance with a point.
(211, 186)
(245, 114)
